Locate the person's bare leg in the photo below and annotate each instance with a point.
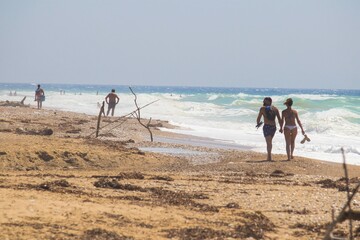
(108, 111)
(112, 111)
(293, 137)
(269, 147)
(287, 134)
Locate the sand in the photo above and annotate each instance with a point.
(57, 181)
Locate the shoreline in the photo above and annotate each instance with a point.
(170, 137)
(322, 147)
(68, 185)
(164, 137)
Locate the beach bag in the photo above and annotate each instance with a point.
(270, 113)
(42, 98)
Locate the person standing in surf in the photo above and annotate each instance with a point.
(111, 99)
(269, 113)
(39, 96)
(289, 116)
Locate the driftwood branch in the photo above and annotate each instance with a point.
(122, 118)
(341, 215)
(348, 192)
(23, 100)
(344, 215)
(102, 111)
(137, 115)
(14, 104)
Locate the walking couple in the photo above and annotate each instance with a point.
(289, 116)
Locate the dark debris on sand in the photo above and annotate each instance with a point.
(181, 199)
(44, 156)
(123, 175)
(254, 226)
(162, 178)
(160, 195)
(58, 186)
(340, 184)
(57, 183)
(114, 184)
(102, 234)
(315, 228)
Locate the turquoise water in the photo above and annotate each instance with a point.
(331, 117)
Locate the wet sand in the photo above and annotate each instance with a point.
(71, 185)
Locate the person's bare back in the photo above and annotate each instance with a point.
(290, 116)
(111, 99)
(266, 119)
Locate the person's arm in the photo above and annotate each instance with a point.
(107, 99)
(299, 122)
(259, 117)
(117, 99)
(281, 122)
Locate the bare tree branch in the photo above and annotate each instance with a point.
(102, 111)
(343, 215)
(123, 118)
(138, 116)
(348, 192)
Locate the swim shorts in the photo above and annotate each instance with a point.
(269, 130)
(111, 105)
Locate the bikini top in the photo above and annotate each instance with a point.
(270, 113)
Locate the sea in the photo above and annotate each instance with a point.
(227, 116)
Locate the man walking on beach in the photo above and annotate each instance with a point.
(111, 99)
(269, 113)
(39, 96)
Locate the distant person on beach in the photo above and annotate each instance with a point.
(111, 99)
(39, 96)
(269, 113)
(289, 116)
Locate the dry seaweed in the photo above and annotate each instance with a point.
(44, 156)
(102, 234)
(114, 184)
(196, 233)
(339, 184)
(162, 178)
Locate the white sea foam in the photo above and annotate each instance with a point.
(213, 97)
(315, 97)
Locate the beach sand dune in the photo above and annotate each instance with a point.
(70, 185)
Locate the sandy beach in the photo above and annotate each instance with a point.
(57, 181)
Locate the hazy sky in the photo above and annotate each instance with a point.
(229, 43)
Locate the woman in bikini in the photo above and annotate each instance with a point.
(289, 116)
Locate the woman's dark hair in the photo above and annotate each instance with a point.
(267, 99)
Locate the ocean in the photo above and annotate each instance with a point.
(331, 118)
